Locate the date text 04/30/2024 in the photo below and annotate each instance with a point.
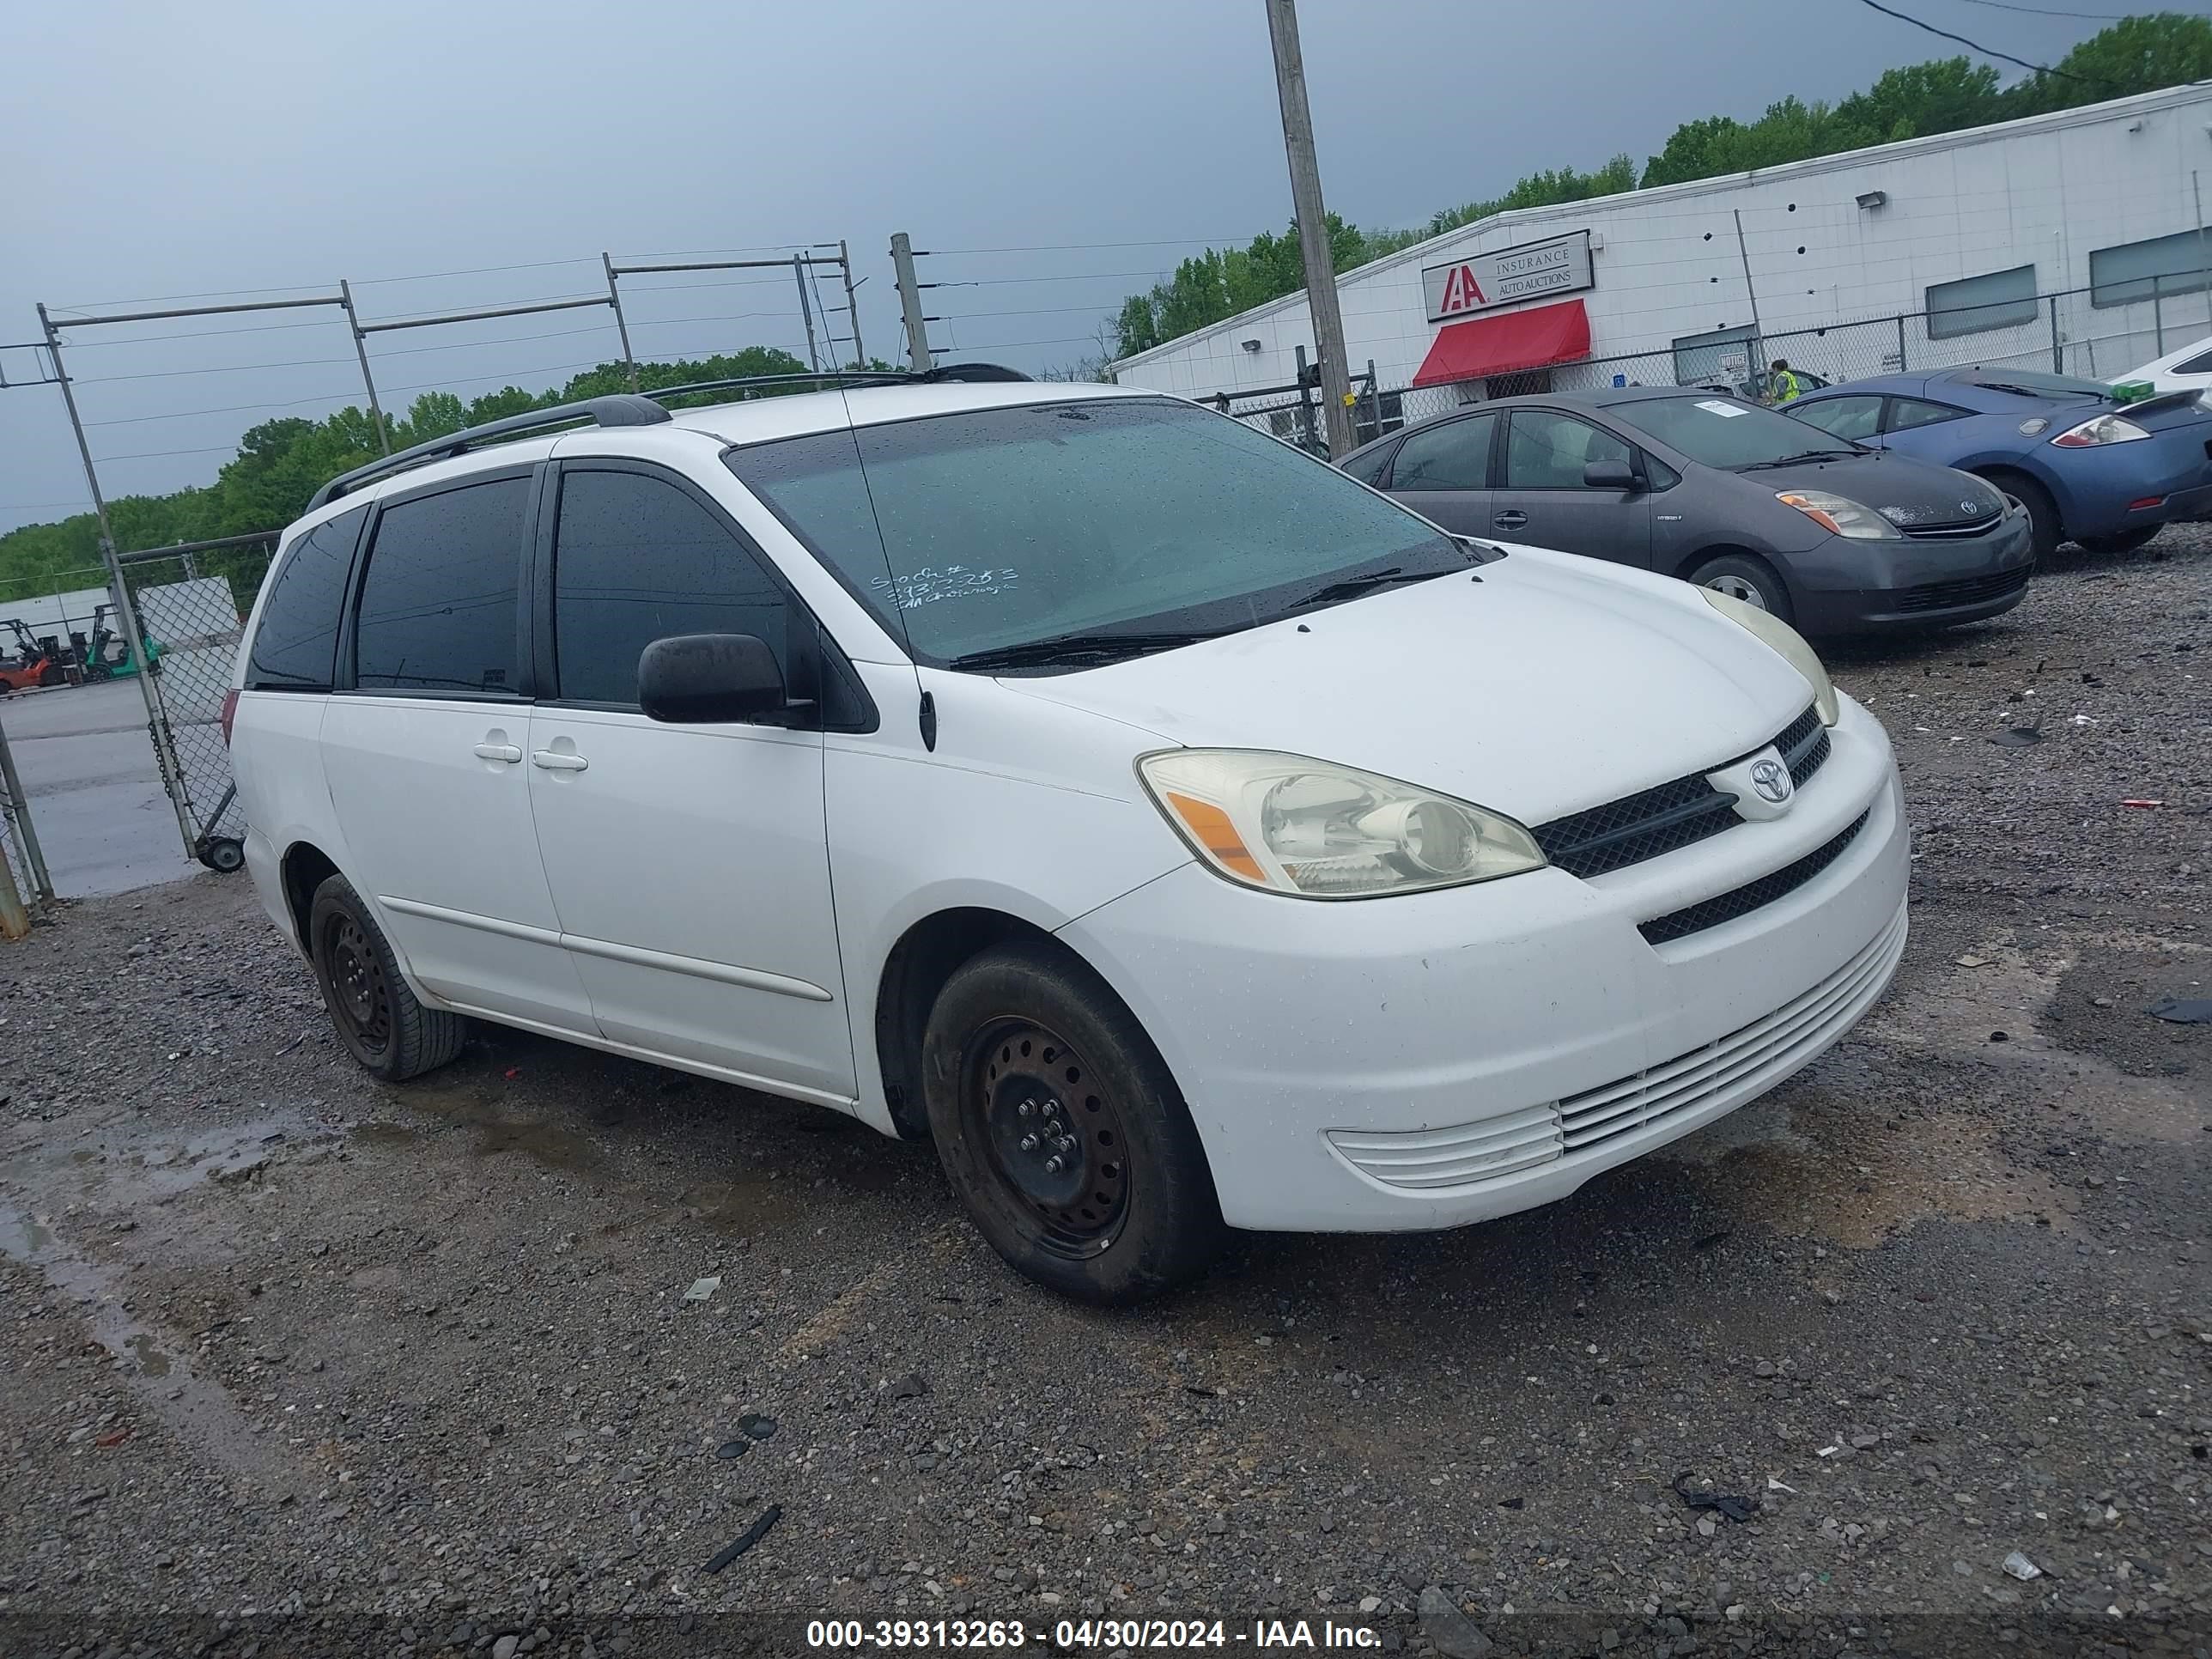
(1070, 1635)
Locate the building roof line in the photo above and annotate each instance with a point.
(2051, 120)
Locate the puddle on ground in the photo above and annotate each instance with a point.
(198, 1409)
(470, 1105)
(151, 1360)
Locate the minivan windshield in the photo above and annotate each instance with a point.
(1066, 534)
(1725, 432)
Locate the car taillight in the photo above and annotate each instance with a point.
(229, 713)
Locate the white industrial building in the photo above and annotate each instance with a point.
(2072, 241)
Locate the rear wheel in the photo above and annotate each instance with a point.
(1061, 1130)
(1742, 577)
(2126, 542)
(378, 1018)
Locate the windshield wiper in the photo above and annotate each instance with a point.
(1351, 587)
(1081, 647)
(1802, 455)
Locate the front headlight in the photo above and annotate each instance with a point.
(2100, 430)
(1305, 826)
(1787, 641)
(1839, 516)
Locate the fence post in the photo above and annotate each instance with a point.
(1901, 364)
(2058, 347)
(2158, 312)
(1305, 405)
(27, 834)
(1374, 402)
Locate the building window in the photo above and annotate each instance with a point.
(1521, 383)
(2164, 265)
(1720, 359)
(2000, 300)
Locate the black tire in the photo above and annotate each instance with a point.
(382, 1025)
(2044, 532)
(2126, 542)
(1752, 580)
(224, 855)
(1029, 1058)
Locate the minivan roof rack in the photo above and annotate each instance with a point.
(619, 409)
(634, 409)
(963, 372)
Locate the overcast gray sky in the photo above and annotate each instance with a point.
(158, 148)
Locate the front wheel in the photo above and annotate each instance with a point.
(378, 1018)
(1061, 1128)
(2126, 542)
(1749, 579)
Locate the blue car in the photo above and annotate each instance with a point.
(2088, 468)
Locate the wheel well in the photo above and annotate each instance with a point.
(925, 956)
(1722, 549)
(305, 868)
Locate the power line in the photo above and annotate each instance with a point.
(2040, 11)
(1986, 52)
(1078, 277)
(1085, 247)
(471, 270)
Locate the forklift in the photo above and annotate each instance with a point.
(107, 655)
(34, 662)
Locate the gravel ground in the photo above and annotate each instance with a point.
(296, 1359)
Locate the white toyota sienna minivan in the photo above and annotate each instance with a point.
(1177, 832)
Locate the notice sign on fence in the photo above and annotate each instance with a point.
(1483, 280)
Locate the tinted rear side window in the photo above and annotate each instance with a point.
(639, 560)
(295, 646)
(437, 603)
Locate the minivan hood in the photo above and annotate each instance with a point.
(1549, 685)
(1909, 494)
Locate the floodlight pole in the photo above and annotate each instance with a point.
(621, 323)
(361, 350)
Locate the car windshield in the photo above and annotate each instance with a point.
(1725, 432)
(990, 538)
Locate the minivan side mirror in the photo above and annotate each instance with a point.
(1608, 475)
(694, 679)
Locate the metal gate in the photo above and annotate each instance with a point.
(181, 612)
(23, 880)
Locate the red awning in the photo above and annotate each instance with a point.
(1498, 345)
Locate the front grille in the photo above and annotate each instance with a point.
(1742, 901)
(1942, 533)
(1761, 1052)
(1969, 590)
(1670, 815)
(1752, 1058)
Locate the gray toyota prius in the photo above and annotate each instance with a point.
(1831, 536)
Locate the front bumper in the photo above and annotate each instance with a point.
(1923, 583)
(1430, 1059)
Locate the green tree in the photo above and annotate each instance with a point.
(2136, 54)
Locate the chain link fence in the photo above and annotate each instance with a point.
(2065, 333)
(189, 604)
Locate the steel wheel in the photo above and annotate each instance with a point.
(1052, 1134)
(1739, 588)
(361, 995)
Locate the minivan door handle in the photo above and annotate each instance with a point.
(499, 751)
(1511, 518)
(554, 760)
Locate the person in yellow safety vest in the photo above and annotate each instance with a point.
(1781, 385)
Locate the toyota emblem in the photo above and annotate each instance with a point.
(1771, 778)
(1970, 506)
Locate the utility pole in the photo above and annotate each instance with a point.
(917, 332)
(1312, 223)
